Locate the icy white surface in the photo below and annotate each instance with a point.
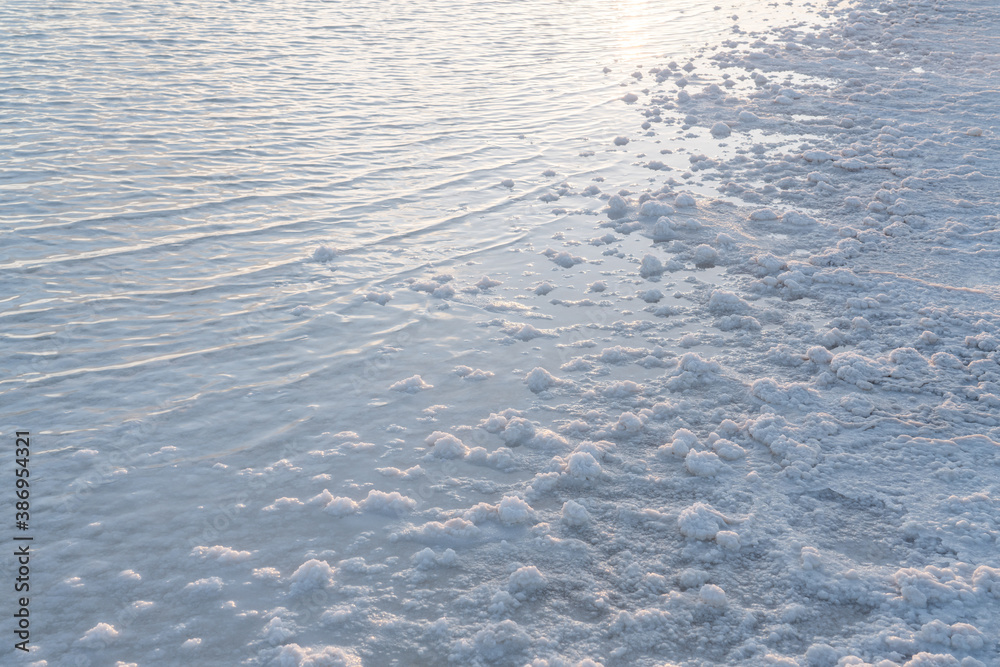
(729, 394)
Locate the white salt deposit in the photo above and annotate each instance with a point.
(684, 200)
(712, 595)
(650, 267)
(410, 385)
(574, 514)
(540, 379)
(324, 254)
(721, 130)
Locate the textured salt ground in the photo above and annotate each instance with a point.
(817, 492)
(751, 427)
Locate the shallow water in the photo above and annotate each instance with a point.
(168, 170)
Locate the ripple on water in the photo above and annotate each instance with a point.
(169, 169)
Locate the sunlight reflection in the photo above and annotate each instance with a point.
(632, 28)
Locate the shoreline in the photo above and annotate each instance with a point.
(648, 426)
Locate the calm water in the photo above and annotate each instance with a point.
(167, 170)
